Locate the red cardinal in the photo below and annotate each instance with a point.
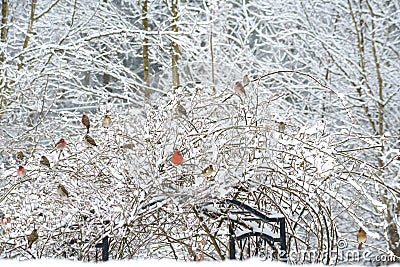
(239, 88)
(21, 171)
(61, 144)
(86, 122)
(177, 157)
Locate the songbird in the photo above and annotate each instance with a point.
(208, 171)
(32, 238)
(239, 88)
(106, 121)
(361, 237)
(281, 126)
(180, 110)
(61, 144)
(177, 157)
(62, 191)
(86, 122)
(246, 80)
(45, 161)
(90, 141)
(21, 172)
(20, 156)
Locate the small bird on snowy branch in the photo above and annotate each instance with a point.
(177, 157)
(361, 237)
(21, 172)
(44, 161)
(86, 122)
(20, 157)
(90, 141)
(60, 145)
(32, 238)
(180, 110)
(62, 191)
(208, 171)
(239, 88)
(106, 122)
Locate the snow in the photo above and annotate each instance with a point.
(304, 73)
(254, 262)
(141, 263)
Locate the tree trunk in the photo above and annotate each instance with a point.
(146, 64)
(391, 203)
(212, 53)
(28, 33)
(175, 46)
(3, 40)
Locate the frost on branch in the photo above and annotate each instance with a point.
(127, 188)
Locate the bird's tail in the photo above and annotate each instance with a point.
(360, 245)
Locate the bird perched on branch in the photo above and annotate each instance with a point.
(281, 126)
(177, 157)
(89, 140)
(44, 161)
(208, 171)
(246, 80)
(60, 145)
(32, 238)
(62, 191)
(21, 172)
(180, 110)
(86, 122)
(239, 88)
(20, 156)
(361, 237)
(106, 122)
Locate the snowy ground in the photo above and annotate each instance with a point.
(139, 263)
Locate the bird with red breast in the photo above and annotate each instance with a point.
(86, 122)
(239, 88)
(361, 237)
(60, 145)
(21, 172)
(177, 157)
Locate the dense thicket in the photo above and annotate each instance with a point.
(315, 138)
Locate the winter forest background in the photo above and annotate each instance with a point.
(315, 138)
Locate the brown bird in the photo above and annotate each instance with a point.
(32, 238)
(90, 141)
(281, 126)
(180, 110)
(20, 156)
(44, 161)
(208, 171)
(106, 121)
(62, 191)
(86, 122)
(246, 80)
(361, 237)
